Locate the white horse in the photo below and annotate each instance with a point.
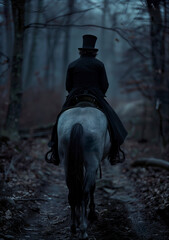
(83, 142)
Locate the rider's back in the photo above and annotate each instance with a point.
(86, 72)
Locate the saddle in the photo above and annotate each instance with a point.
(85, 100)
(81, 100)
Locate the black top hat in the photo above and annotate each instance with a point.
(89, 42)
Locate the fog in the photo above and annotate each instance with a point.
(52, 34)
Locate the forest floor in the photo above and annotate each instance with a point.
(132, 203)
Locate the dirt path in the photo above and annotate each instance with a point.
(121, 215)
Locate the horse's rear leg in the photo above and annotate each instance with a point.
(92, 216)
(83, 221)
(89, 187)
(73, 220)
(73, 211)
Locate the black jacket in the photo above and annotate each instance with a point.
(86, 72)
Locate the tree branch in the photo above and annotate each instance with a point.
(153, 162)
(115, 29)
(69, 14)
(6, 61)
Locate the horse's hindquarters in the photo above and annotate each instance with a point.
(94, 125)
(83, 141)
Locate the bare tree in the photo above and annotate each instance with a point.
(71, 5)
(158, 22)
(150, 77)
(14, 108)
(6, 45)
(34, 40)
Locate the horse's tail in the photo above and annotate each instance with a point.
(75, 162)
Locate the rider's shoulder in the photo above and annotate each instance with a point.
(80, 61)
(99, 62)
(72, 64)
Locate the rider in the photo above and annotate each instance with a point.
(87, 75)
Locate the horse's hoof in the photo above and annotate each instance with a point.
(83, 236)
(73, 228)
(92, 216)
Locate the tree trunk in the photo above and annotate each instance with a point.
(53, 37)
(14, 108)
(103, 32)
(157, 31)
(9, 31)
(157, 43)
(165, 106)
(6, 42)
(32, 52)
(67, 39)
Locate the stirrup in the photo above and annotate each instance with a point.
(123, 157)
(46, 156)
(52, 159)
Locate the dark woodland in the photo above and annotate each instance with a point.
(38, 40)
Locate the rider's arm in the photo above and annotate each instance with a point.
(103, 80)
(68, 80)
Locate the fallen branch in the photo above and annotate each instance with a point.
(12, 200)
(11, 165)
(6, 236)
(37, 128)
(39, 131)
(30, 199)
(34, 135)
(153, 162)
